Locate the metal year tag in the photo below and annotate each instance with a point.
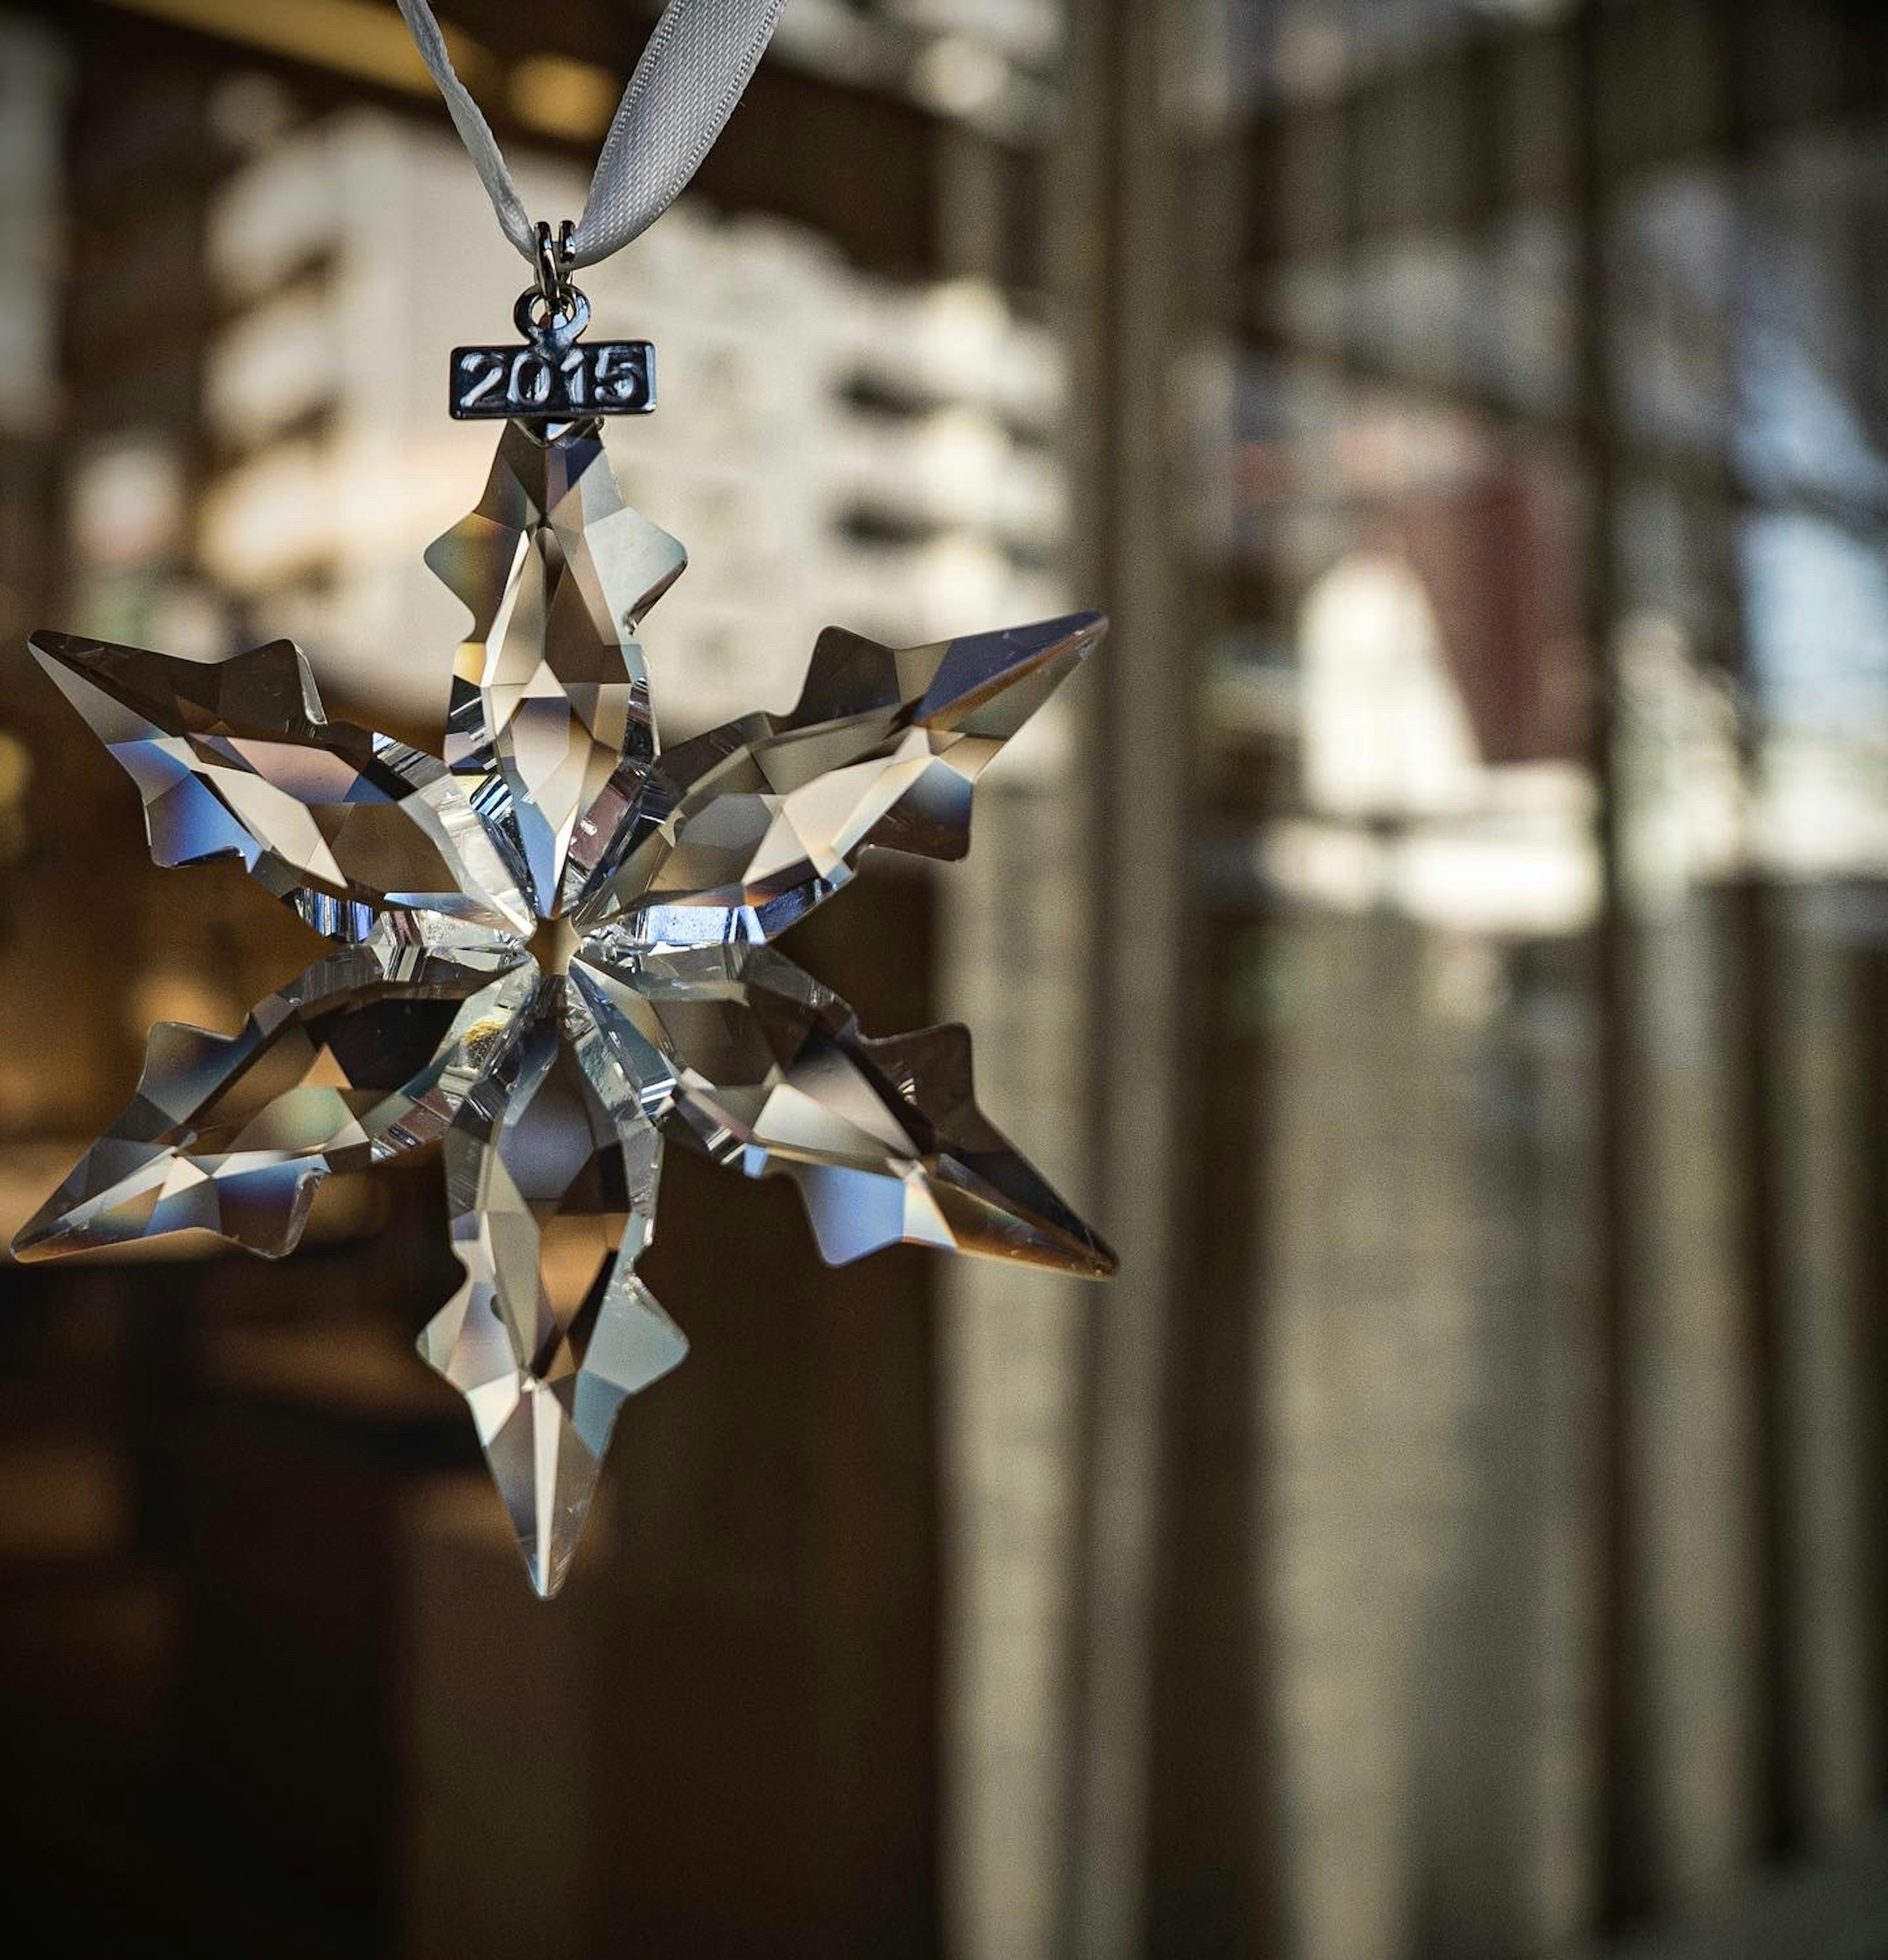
(553, 378)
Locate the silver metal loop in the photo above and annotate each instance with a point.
(551, 322)
(554, 264)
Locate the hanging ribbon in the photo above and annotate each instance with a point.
(693, 72)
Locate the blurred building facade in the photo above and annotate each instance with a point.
(1441, 939)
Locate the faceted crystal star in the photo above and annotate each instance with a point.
(552, 951)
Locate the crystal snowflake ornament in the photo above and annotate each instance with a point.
(553, 951)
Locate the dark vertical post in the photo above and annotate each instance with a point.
(1749, 979)
(1868, 1135)
(1624, 1825)
(1116, 230)
(1208, 1844)
(1866, 1128)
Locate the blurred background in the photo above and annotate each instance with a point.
(1442, 940)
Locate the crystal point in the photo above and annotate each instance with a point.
(235, 758)
(551, 1170)
(546, 1475)
(365, 1056)
(550, 694)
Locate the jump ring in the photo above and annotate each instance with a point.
(561, 320)
(554, 264)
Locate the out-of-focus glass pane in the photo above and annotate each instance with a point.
(1441, 935)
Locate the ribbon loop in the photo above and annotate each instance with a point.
(695, 68)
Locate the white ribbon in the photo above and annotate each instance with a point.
(691, 75)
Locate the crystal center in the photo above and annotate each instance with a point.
(554, 944)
